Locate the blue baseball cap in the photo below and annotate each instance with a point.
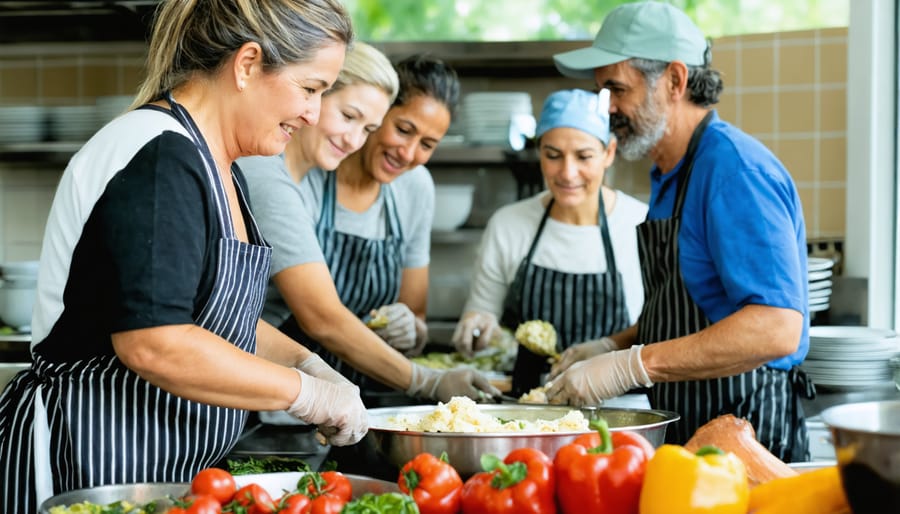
(578, 109)
(646, 30)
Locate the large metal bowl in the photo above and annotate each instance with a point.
(464, 450)
(140, 493)
(866, 440)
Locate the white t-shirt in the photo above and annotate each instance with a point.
(562, 247)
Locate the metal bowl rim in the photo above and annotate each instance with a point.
(54, 500)
(829, 415)
(668, 417)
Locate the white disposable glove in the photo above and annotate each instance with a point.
(474, 331)
(400, 331)
(442, 385)
(337, 410)
(599, 378)
(421, 338)
(315, 366)
(580, 352)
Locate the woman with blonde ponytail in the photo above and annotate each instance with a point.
(148, 348)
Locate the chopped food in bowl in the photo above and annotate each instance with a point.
(462, 414)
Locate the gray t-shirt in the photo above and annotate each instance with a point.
(287, 214)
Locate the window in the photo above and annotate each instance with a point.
(542, 20)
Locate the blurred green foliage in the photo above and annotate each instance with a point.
(541, 20)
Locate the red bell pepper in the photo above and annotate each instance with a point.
(433, 483)
(602, 471)
(522, 483)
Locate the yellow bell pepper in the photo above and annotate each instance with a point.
(814, 492)
(708, 482)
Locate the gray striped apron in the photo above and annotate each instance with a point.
(109, 426)
(366, 273)
(581, 306)
(768, 398)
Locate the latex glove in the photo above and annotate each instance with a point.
(599, 378)
(580, 352)
(421, 339)
(315, 366)
(337, 409)
(400, 331)
(474, 331)
(442, 385)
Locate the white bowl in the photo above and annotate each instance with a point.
(452, 205)
(19, 269)
(16, 304)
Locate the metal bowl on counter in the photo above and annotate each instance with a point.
(464, 450)
(866, 440)
(139, 494)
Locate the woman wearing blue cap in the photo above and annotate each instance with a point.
(544, 257)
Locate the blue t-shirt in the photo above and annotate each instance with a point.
(742, 238)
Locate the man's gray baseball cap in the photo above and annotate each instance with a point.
(646, 30)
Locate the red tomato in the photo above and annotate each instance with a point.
(327, 504)
(176, 510)
(204, 504)
(215, 482)
(294, 503)
(334, 483)
(256, 499)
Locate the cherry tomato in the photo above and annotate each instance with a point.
(204, 504)
(294, 503)
(334, 483)
(215, 482)
(327, 504)
(256, 499)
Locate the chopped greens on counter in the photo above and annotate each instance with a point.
(270, 464)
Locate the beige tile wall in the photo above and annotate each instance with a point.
(789, 91)
(786, 89)
(49, 75)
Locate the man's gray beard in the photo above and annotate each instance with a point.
(650, 125)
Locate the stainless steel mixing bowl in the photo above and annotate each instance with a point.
(140, 494)
(464, 450)
(866, 440)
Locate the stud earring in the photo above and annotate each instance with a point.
(241, 86)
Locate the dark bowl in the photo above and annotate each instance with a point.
(866, 440)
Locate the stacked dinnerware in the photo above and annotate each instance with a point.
(819, 271)
(22, 123)
(850, 358)
(110, 107)
(73, 122)
(486, 116)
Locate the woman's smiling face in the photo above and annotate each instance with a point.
(349, 115)
(407, 138)
(574, 163)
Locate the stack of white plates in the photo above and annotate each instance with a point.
(819, 270)
(22, 123)
(850, 358)
(110, 107)
(73, 122)
(486, 115)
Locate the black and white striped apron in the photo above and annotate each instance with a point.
(366, 272)
(768, 398)
(109, 426)
(581, 306)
